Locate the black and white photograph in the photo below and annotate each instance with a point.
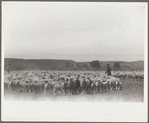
(74, 61)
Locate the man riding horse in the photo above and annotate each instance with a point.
(108, 70)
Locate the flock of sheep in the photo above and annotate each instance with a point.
(133, 75)
(65, 82)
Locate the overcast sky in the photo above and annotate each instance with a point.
(75, 31)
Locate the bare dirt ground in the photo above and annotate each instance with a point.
(133, 91)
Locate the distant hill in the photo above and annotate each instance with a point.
(50, 64)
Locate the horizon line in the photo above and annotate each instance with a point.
(75, 61)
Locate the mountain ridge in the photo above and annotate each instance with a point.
(63, 64)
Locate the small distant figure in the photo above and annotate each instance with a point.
(18, 68)
(108, 70)
(8, 68)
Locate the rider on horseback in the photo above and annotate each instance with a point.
(108, 70)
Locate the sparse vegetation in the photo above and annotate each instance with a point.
(50, 64)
